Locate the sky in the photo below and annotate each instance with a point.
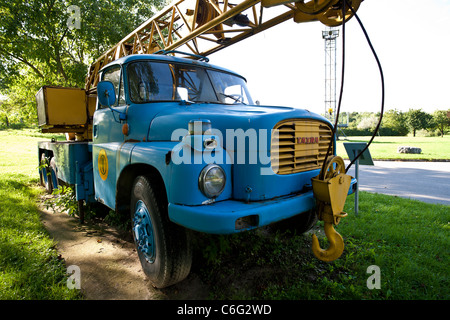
(284, 65)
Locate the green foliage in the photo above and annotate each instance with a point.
(417, 119)
(370, 122)
(20, 107)
(106, 22)
(441, 121)
(385, 148)
(394, 123)
(364, 123)
(406, 239)
(30, 266)
(214, 247)
(63, 200)
(38, 48)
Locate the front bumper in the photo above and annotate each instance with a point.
(221, 217)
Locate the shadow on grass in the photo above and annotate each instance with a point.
(375, 141)
(18, 203)
(29, 261)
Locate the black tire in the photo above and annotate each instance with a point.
(54, 174)
(306, 221)
(299, 224)
(164, 248)
(45, 174)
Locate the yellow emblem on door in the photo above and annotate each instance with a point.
(103, 164)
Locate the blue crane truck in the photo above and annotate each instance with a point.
(178, 144)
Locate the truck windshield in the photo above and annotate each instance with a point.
(155, 81)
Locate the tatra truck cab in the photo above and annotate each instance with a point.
(178, 144)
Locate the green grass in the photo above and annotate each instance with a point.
(408, 240)
(433, 148)
(29, 263)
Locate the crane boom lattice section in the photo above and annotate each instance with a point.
(202, 27)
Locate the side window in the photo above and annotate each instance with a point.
(114, 75)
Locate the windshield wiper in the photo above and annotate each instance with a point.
(236, 97)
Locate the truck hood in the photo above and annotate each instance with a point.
(232, 117)
(253, 178)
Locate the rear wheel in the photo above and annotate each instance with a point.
(54, 174)
(45, 174)
(164, 248)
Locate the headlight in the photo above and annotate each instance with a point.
(212, 180)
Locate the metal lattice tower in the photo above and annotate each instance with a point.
(330, 36)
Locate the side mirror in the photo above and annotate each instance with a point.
(107, 97)
(183, 93)
(106, 93)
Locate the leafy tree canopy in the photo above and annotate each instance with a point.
(441, 120)
(38, 47)
(417, 119)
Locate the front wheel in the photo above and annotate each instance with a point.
(300, 223)
(164, 248)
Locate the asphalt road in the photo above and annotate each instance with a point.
(424, 181)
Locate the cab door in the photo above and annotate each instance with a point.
(107, 139)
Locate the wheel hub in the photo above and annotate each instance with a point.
(143, 232)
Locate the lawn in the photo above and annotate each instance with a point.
(433, 148)
(30, 267)
(407, 240)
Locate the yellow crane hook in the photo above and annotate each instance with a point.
(335, 249)
(330, 190)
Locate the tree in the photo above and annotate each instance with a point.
(441, 120)
(20, 105)
(394, 122)
(417, 119)
(38, 48)
(369, 122)
(35, 34)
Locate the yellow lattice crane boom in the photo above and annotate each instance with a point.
(202, 27)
